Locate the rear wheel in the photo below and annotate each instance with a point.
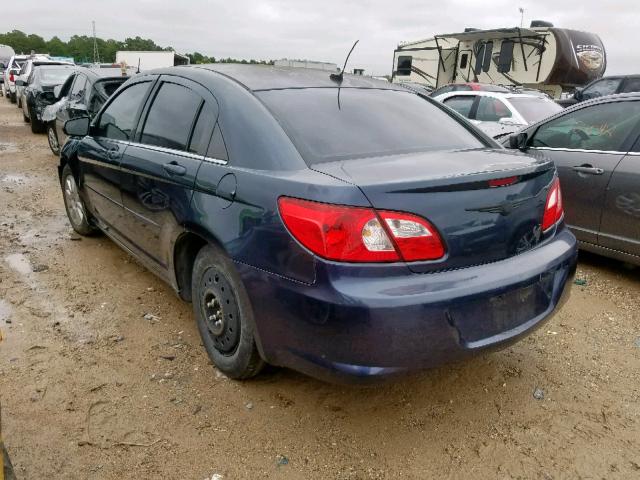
(12, 97)
(224, 315)
(74, 205)
(52, 136)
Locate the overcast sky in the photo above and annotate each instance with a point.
(322, 29)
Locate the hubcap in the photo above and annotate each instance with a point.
(53, 140)
(220, 310)
(73, 201)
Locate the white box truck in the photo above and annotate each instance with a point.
(150, 60)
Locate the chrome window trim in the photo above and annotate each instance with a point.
(181, 153)
(580, 150)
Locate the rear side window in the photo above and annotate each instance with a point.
(364, 123)
(202, 131)
(461, 104)
(118, 119)
(217, 148)
(604, 127)
(491, 110)
(171, 116)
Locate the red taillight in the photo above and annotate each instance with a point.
(553, 209)
(356, 234)
(11, 77)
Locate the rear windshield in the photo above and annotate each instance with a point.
(534, 109)
(365, 123)
(54, 75)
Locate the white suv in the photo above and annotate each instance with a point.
(498, 114)
(11, 74)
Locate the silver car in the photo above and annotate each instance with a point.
(596, 148)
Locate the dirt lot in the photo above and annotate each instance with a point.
(91, 389)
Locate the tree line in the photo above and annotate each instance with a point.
(80, 47)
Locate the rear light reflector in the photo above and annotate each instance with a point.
(359, 234)
(553, 209)
(11, 78)
(502, 182)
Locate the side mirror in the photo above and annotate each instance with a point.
(20, 83)
(579, 95)
(76, 127)
(518, 141)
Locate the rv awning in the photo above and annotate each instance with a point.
(486, 34)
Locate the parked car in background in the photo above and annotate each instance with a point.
(38, 92)
(26, 69)
(379, 235)
(603, 87)
(84, 93)
(468, 87)
(6, 52)
(417, 87)
(10, 74)
(596, 148)
(498, 114)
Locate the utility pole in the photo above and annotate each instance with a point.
(521, 16)
(96, 54)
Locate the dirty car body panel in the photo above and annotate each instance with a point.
(499, 276)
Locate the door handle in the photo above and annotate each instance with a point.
(174, 168)
(588, 169)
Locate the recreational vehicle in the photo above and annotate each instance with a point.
(554, 60)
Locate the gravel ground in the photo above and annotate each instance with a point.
(91, 389)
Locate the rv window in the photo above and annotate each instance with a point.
(479, 59)
(464, 59)
(488, 51)
(506, 56)
(404, 65)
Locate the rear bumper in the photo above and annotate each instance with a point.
(356, 324)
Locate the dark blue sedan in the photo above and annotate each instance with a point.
(347, 229)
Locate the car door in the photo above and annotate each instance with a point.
(159, 169)
(100, 153)
(586, 145)
(68, 91)
(620, 227)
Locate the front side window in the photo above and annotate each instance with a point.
(461, 104)
(364, 122)
(606, 86)
(171, 117)
(604, 127)
(491, 110)
(78, 89)
(119, 118)
(404, 65)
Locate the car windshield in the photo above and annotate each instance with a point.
(534, 109)
(54, 75)
(364, 123)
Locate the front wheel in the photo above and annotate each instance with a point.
(52, 136)
(224, 315)
(74, 205)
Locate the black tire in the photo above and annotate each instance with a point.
(36, 125)
(218, 293)
(12, 97)
(52, 137)
(25, 118)
(76, 210)
(20, 102)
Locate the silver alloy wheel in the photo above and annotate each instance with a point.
(53, 140)
(73, 201)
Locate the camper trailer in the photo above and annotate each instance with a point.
(554, 60)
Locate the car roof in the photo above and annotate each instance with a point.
(99, 73)
(270, 77)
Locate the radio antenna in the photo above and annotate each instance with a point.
(337, 77)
